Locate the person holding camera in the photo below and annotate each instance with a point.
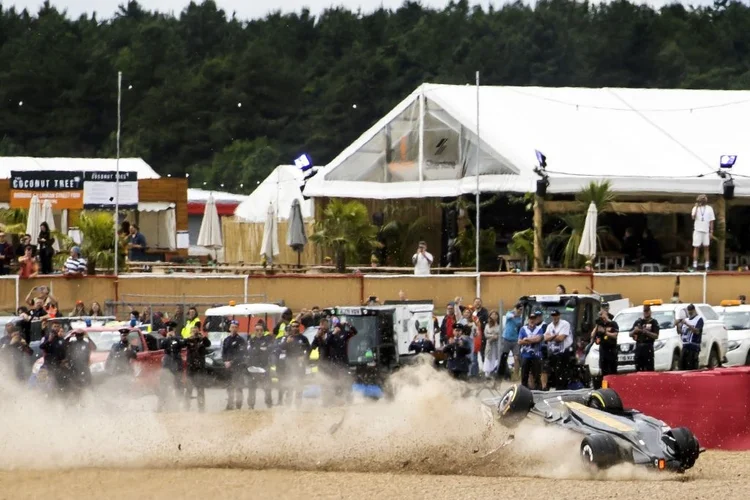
(78, 357)
(421, 343)
(559, 339)
(703, 228)
(234, 352)
(259, 349)
(196, 347)
(691, 331)
(645, 332)
(458, 351)
(54, 348)
(422, 260)
(605, 336)
(171, 367)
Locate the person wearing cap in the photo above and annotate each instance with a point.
(279, 330)
(703, 229)
(121, 354)
(509, 341)
(54, 349)
(74, 265)
(78, 355)
(196, 378)
(539, 314)
(296, 349)
(78, 311)
(645, 332)
(259, 349)
(559, 341)
(17, 350)
(691, 331)
(234, 353)
(170, 383)
(530, 339)
(421, 343)
(605, 336)
(458, 351)
(337, 346)
(605, 306)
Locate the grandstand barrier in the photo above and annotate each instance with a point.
(714, 404)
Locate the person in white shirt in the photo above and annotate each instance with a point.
(74, 265)
(422, 260)
(560, 350)
(703, 228)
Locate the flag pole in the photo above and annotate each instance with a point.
(117, 168)
(476, 231)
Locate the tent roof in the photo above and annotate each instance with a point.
(642, 140)
(283, 184)
(201, 196)
(21, 163)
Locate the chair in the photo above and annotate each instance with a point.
(651, 268)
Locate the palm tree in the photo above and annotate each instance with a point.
(13, 220)
(346, 228)
(98, 240)
(402, 232)
(601, 195)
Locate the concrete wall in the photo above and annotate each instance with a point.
(300, 291)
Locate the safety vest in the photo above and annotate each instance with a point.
(188, 328)
(282, 330)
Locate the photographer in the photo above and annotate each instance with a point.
(421, 342)
(197, 347)
(560, 349)
(54, 348)
(171, 366)
(691, 330)
(530, 340)
(422, 260)
(259, 349)
(17, 350)
(703, 228)
(645, 332)
(605, 336)
(120, 356)
(78, 358)
(458, 351)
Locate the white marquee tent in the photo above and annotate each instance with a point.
(642, 140)
(280, 188)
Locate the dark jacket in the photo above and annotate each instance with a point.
(259, 350)
(296, 348)
(320, 342)
(234, 350)
(173, 347)
(54, 351)
(196, 348)
(458, 354)
(118, 361)
(338, 345)
(79, 356)
(422, 346)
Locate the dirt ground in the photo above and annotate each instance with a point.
(428, 443)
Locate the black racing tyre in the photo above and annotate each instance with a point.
(713, 357)
(515, 405)
(675, 361)
(606, 400)
(600, 451)
(685, 446)
(747, 360)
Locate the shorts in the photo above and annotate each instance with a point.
(701, 239)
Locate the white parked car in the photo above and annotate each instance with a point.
(736, 318)
(668, 347)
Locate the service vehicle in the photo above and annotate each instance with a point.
(668, 347)
(610, 434)
(146, 365)
(408, 317)
(736, 319)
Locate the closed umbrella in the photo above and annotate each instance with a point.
(270, 246)
(49, 218)
(587, 248)
(34, 219)
(295, 234)
(210, 233)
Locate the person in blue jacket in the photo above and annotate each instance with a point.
(530, 339)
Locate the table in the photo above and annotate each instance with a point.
(617, 260)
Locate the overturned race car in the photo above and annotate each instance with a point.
(611, 433)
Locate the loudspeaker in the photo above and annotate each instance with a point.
(728, 189)
(541, 187)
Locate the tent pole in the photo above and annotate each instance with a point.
(476, 173)
(117, 168)
(721, 229)
(421, 136)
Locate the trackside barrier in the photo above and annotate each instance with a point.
(714, 404)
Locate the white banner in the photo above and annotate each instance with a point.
(99, 189)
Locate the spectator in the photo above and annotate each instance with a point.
(74, 265)
(630, 246)
(458, 351)
(530, 339)
(27, 264)
(137, 245)
(446, 325)
(193, 320)
(6, 254)
(21, 248)
(650, 247)
(17, 350)
(42, 293)
(280, 330)
(742, 299)
(482, 314)
(24, 323)
(402, 296)
(96, 310)
(703, 229)
(421, 343)
(78, 311)
(491, 337)
(422, 260)
(513, 320)
(691, 330)
(561, 290)
(559, 339)
(46, 252)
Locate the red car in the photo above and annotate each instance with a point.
(146, 365)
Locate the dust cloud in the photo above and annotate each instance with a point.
(430, 427)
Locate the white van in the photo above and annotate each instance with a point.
(668, 347)
(736, 318)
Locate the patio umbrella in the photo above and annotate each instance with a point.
(49, 218)
(270, 246)
(587, 248)
(33, 220)
(210, 233)
(295, 234)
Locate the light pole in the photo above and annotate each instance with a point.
(117, 168)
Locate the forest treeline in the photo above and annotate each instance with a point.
(226, 100)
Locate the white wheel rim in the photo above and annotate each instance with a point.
(504, 405)
(587, 453)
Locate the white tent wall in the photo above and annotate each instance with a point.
(281, 187)
(642, 140)
(157, 223)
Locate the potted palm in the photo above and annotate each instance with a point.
(98, 241)
(346, 229)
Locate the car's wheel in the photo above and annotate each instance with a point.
(606, 400)
(713, 358)
(675, 361)
(747, 360)
(599, 451)
(515, 405)
(685, 446)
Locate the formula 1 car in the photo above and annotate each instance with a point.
(611, 434)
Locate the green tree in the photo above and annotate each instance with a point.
(345, 228)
